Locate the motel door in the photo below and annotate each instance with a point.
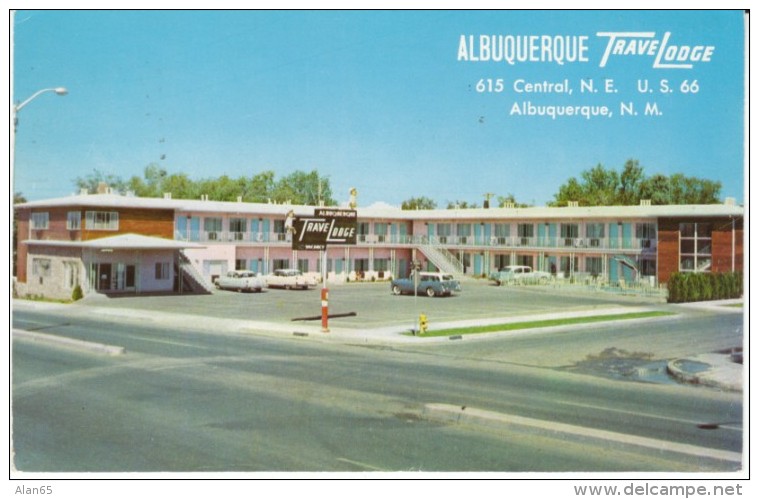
(104, 277)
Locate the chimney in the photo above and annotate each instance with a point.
(166, 195)
(103, 188)
(645, 202)
(730, 201)
(573, 204)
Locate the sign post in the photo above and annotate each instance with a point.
(327, 226)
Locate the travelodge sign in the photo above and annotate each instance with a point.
(327, 226)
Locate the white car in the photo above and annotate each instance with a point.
(240, 280)
(289, 279)
(519, 274)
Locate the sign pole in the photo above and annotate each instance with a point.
(325, 294)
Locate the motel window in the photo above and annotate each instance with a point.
(238, 227)
(695, 247)
(502, 261)
(525, 232)
(280, 263)
(380, 230)
(463, 231)
(212, 227)
(382, 264)
(279, 230)
(502, 231)
(525, 260)
(71, 274)
(593, 265)
(74, 220)
(595, 232)
(361, 264)
(102, 220)
(647, 267)
(645, 233)
(161, 271)
(40, 220)
(241, 264)
(41, 267)
(443, 230)
(303, 265)
(570, 233)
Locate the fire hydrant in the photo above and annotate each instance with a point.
(423, 323)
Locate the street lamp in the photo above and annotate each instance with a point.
(17, 107)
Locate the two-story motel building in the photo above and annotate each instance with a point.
(112, 243)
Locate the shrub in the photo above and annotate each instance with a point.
(77, 294)
(691, 286)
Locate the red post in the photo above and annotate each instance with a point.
(325, 310)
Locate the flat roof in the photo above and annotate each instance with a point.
(120, 242)
(388, 212)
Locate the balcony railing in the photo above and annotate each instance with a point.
(496, 243)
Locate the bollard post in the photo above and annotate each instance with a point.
(325, 310)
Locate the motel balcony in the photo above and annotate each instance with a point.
(586, 244)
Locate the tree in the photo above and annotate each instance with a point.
(509, 199)
(419, 203)
(461, 205)
(604, 187)
(303, 188)
(92, 181)
(629, 183)
(600, 186)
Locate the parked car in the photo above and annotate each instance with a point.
(519, 274)
(289, 279)
(240, 280)
(429, 283)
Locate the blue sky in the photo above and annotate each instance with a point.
(375, 100)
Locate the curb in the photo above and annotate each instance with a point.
(714, 370)
(69, 342)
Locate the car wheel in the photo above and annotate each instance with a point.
(430, 292)
(497, 282)
(543, 280)
(217, 285)
(396, 290)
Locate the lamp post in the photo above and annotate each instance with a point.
(18, 107)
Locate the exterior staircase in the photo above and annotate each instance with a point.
(443, 259)
(192, 280)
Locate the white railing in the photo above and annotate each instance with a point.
(540, 242)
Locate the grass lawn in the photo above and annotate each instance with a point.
(497, 328)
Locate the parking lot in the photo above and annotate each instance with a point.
(373, 304)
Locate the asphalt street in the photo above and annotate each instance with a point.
(197, 398)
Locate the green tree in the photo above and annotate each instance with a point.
(509, 199)
(419, 203)
(600, 186)
(629, 183)
(655, 188)
(92, 181)
(303, 188)
(461, 205)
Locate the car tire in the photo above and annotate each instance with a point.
(396, 290)
(430, 292)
